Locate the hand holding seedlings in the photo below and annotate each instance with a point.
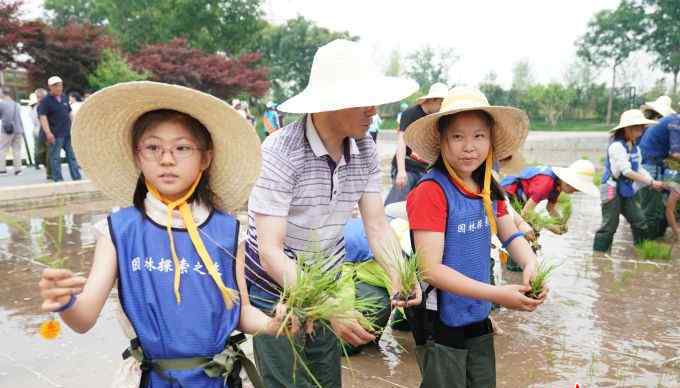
(513, 296)
(538, 279)
(351, 331)
(276, 325)
(56, 287)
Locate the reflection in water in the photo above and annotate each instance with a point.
(608, 321)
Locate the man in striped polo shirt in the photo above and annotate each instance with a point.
(314, 172)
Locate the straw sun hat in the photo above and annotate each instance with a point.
(579, 175)
(511, 125)
(630, 118)
(344, 76)
(102, 135)
(661, 105)
(437, 90)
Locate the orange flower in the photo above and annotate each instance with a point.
(50, 329)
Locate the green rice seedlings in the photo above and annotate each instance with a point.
(543, 273)
(654, 250)
(410, 275)
(672, 164)
(565, 209)
(319, 295)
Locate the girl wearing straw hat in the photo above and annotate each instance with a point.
(176, 155)
(453, 211)
(623, 175)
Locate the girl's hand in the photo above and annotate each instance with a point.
(658, 185)
(528, 231)
(529, 272)
(417, 298)
(512, 296)
(57, 286)
(274, 327)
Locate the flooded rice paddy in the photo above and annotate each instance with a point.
(609, 321)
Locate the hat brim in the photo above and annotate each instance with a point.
(580, 182)
(511, 127)
(660, 109)
(429, 96)
(642, 121)
(343, 95)
(514, 165)
(102, 136)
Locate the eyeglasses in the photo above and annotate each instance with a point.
(154, 152)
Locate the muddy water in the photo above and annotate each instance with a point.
(609, 322)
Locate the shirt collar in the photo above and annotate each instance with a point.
(350, 144)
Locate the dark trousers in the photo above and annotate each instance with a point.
(611, 211)
(413, 175)
(280, 368)
(55, 158)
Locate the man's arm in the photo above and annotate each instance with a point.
(271, 231)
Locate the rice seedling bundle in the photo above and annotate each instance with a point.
(654, 250)
(543, 273)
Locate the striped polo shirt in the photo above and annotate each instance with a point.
(300, 181)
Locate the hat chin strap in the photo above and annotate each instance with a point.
(486, 190)
(229, 295)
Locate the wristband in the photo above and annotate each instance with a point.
(67, 306)
(507, 242)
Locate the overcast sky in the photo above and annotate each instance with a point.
(488, 35)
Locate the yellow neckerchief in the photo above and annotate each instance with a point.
(486, 190)
(229, 295)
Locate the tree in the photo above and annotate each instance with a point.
(428, 66)
(663, 37)
(177, 63)
(72, 52)
(493, 91)
(394, 64)
(288, 51)
(10, 32)
(63, 12)
(210, 25)
(522, 76)
(611, 37)
(113, 69)
(552, 100)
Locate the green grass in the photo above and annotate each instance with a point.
(570, 125)
(654, 250)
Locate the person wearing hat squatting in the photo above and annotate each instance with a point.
(408, 167)
(452, 212)
(536, 184)
(314, 172)
(176, 154)
(659, 143)
(623, 175)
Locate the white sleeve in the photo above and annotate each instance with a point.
(619, 160)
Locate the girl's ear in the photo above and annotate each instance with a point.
(206, 159)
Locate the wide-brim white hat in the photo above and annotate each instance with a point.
(630, 118)
(511, 125)
(102, 139)
(344, 76)
(661, 105)
(579, 175)
(437, 90)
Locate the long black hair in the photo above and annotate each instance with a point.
(443, 123)
(149, 120)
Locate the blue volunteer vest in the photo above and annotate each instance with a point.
(200, 325)
(624, 186)
(526, 174)
(467, 247)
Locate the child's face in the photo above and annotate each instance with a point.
(172, 173)
(634, 132)
(466, 143)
